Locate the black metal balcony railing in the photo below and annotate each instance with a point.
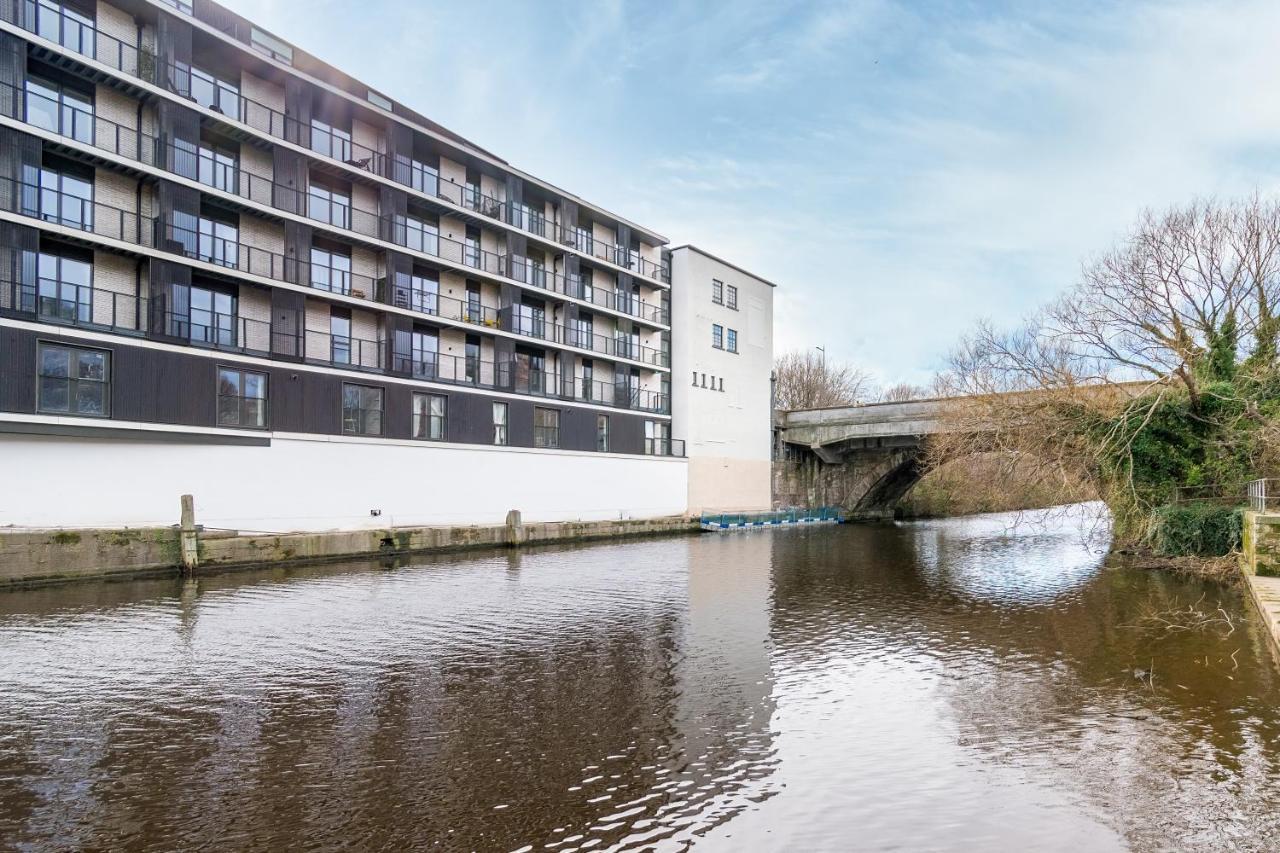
(203, 166)
(79, 37)
(664, 447)
(522, 321)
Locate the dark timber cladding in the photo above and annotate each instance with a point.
(162, 387)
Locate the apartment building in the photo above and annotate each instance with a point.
(230, 270)
(722, 363)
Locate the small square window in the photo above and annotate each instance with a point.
(242, 398)
(74, 381)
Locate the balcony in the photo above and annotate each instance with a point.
(63, 303)
(78, 35)
(522, 320)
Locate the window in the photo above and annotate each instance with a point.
(428, 416)
(582, 239)
(588, 378)
(378, 100)
(242, 398)
(602, 433)
(211, 163)
(717, 292)
(733, 340)
(61, 24)
(425, 346)
(361, 409)
(329, 203)
(424, 177)
(331, 269)
(264, 42)
(218, 242)
(733, 297)
(475, 313)
(183, 6)
(424, 293)
(529, 318)
(546, 427)
(583, 332)
(657, 438)
(500, 423)
(212, 315)
(339, 336)
(208, 90)
(588, 286)
(525, 217)
(471, 359)
(59, 109)
(64, 289)
(58, 194)
(74, 381)
(421, 235)
(717, 336)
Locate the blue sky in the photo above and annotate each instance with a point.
(901, 170)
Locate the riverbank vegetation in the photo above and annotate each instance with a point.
(1153, 383)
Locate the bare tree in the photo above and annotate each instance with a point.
(804, 380)
(904, 391)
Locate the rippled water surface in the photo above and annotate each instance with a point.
(953, 685)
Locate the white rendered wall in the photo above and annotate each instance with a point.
(323, 483)
(728, 433)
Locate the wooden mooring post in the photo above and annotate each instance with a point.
(188, 543)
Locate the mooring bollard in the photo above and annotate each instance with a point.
(188, 545)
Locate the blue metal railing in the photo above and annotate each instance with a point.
(764, 519)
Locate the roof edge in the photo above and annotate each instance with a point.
(720, 260)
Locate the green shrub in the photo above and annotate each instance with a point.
(1195, 529)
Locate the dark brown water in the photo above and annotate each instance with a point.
(944, 685)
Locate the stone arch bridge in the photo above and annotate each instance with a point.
(864, 458)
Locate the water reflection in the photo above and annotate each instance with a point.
(939, 685)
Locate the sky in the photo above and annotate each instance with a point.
(901, 170)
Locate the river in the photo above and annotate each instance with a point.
(970, 684)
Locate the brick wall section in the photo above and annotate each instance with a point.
(255, 310)
(115, 282)
(264, 92)
(365, 136)
(451, 171)
(260, 234)
(365, 328)
(364, 270)
(317, 329)
(453, 229)
(115, 51)
(257, 163)
(112, 193)
(116, 121)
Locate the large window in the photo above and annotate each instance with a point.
(217, 94)
(61, 24)
(657, 438)
(58, 194)
(268, 44)
(471, 249)
(475, 311)
(546, 427)
(429, 416)
(732, 341)
(583, 332)
(588, 379)
(74, 381)
(217, 167)
(500, 423)
(733, 297)
(524, 216)
(602, 433)
(361, 409)
(64, 289)
(331, 269)
(717, 336)
(330, 141)
(426, 353)
(242, 398)
(59, 109)
(329, 203)
(424, 293)
(717, 291)
(212, 315)
(471, 360)
(423, 177)
(421, 235)
(215, 241)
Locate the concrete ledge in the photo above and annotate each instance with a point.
(58, 556)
